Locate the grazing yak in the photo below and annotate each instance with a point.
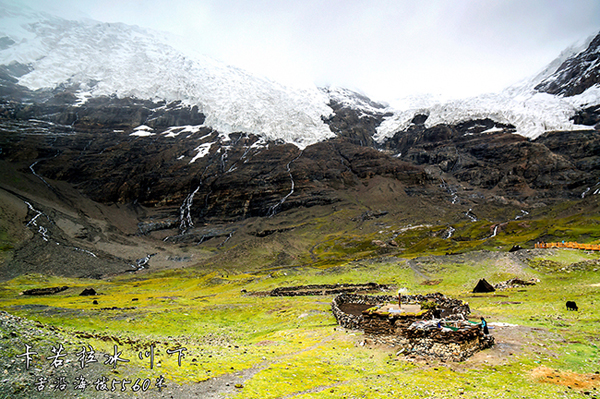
(571, 305)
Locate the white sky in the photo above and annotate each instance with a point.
(387, 49)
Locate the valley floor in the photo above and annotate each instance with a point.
(231, 344)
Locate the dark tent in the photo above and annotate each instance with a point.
(483, 286)
(88, 291)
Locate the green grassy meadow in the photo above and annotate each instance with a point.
(201, 328)
(282, 347)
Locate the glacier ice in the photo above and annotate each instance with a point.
(93, 59)
(107, 59)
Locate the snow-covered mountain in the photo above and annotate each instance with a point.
(105, 59)
(524, 105)
(576, 74)
(91, 59)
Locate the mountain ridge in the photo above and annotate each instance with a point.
(49, 59)
(124, 177)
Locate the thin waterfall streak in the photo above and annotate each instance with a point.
(185, 211)
(273, 209)
(38, 176)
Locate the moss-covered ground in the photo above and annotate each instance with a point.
(283, 347)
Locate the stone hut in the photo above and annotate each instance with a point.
(429, 325)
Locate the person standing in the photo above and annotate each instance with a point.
(400, 292)
(484, 326)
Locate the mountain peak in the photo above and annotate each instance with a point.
(576, 74)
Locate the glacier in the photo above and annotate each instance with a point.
(531, 112)
(113, 59)
(91, 59)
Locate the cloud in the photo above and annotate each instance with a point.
(386, 49)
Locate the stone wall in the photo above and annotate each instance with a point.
(374, 324)
(447, 306)
(394, 329)
(351, 321)
(445, 345)
(327, 289)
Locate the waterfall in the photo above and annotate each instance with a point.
(185, 211)
(142, 262)
(85, 251)
(523, 213)
(587, 190)
(44, 232)
(38, 176)
(227, 239)
(33, 219)
(273, 209)
(449, 190)
(472, 217)
(495, 231)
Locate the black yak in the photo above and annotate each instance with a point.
(571, 305)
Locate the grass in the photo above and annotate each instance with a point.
(294, 344)
(335, 239)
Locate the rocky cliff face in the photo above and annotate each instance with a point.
(575, 75)
(235, 179)
(240, 175)
(554, 165)
(102, 114)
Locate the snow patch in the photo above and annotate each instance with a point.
(202, 151)
(82, 97)
(492, 130)
(175, 131)
(142, 131)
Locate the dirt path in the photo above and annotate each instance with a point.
(226, 385)
(414, 265)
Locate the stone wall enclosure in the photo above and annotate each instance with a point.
(444, 332)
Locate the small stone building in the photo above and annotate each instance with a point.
(429, 325)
